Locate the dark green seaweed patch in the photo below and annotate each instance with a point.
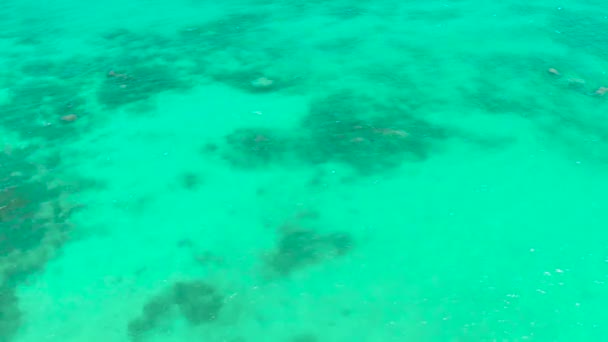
(299, 247)
(365, 135)
(122, 87)
(196, 301)
(190, 180)
(77, 70)
(37, 108)
(230, 50)
(20, 228)
(20, 202)
(10, 315)
(222, 33)
(254, 147)
(34, 224)
(342, 128)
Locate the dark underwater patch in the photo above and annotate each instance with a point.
(195, 301)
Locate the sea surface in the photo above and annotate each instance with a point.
(303, 171)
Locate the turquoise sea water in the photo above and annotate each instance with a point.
(303, 171)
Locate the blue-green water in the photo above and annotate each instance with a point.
(303, 171)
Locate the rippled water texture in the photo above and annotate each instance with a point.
(303, 171)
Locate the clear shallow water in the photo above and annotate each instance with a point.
(287, 171)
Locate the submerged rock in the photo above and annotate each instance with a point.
(262, 82)
(69, 118)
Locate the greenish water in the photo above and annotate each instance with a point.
(303, 171)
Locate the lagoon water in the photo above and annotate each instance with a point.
(303, 171)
